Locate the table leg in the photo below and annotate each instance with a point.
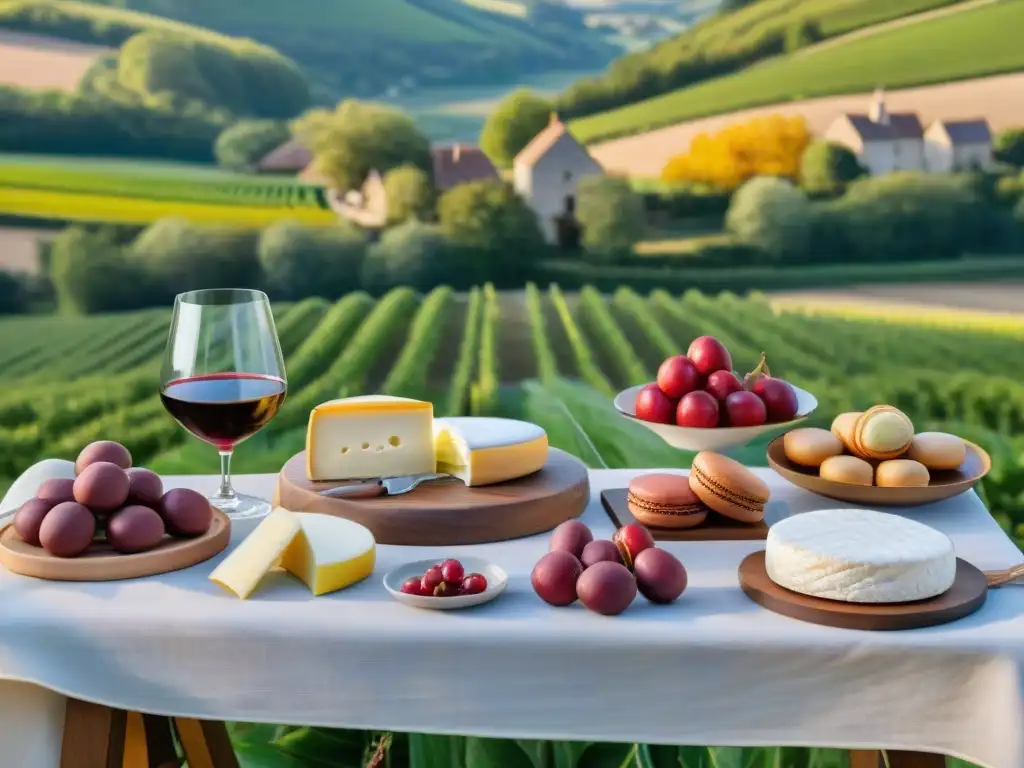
(149, 742)
(872, 758)
(94, 736)
(206, 743)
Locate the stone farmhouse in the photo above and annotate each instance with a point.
(885, 142)
(547, 173)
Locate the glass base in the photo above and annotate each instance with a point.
(241, 507)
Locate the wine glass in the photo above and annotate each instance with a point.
(223, 377)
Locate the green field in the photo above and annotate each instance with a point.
(974, 43)
(73, 189)
(551, 357)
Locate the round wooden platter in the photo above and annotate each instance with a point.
(447, 513)
(102, 563)
(965, 597)
(943, 485)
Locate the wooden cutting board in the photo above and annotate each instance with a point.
(448, 513)
(101, 563)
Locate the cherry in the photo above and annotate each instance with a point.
(474, 584)
(452, 571)
(413, 586)
(431, 579)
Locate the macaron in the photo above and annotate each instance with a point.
(728, 488)
(882, 432)
(901, 473)
(663, 500)
(847, 469)
(809, 446)
(938, 450)
(842, 427)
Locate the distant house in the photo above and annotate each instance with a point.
(291, 158)
(460, 164)
(958, 145)
(883, 142)
(366, 206)
(547, 174)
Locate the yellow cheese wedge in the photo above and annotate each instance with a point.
(481, 450)
(330, 553)
(326, 553)
(242, 570)
(369, 436)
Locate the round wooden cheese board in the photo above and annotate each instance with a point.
(102, 563)
(447, 512)
(966, 596)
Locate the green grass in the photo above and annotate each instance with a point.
(504, 7)
(974, 43)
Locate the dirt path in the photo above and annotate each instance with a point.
(988, 297)
(37, 62)
(997, 98)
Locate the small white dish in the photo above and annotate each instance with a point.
(718, 438)
(496, 577)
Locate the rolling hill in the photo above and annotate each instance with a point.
(977, 42)
(366, 47)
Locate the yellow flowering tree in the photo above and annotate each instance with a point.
(764, 146)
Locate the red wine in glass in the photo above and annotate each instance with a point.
(224, 408)
(223, 377)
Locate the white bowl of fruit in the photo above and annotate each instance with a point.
(699, 403)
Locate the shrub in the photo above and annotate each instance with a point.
(91, 273)
(826, 168)
(13, 299)
(771, 214)
(410, 194)
(418, 255)
(512, 125)
(1009, 147)
(611, 215)
(243, 144)
(299, 261)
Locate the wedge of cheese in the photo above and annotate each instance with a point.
(369, 436)
(482, 451)
(330, 553)
(326, 553)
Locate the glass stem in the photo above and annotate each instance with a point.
(226, 491)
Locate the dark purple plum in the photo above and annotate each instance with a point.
(186, 513)
(29, 518)
(57, 490)
(554, 577)
(660, 576)
(67, 529)
(571, 536)
(103, 450)
(102, 487)
(600, 551)
(607, 588)
(135, 529)
(144, 487)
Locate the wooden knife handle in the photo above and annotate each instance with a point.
(356, 491)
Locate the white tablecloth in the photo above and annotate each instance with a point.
(712, 669)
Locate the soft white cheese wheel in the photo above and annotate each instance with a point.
(27, 485)
(859, 556)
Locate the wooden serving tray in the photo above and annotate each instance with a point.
(448, 513)
(966, 596)
(102, 563)
(715, 528)
(943, 485)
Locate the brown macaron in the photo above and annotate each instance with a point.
(663, 500)
(728, 487)
(842, 427)
(809, 446)
(901, 473)
(882, 432)
(938, 450)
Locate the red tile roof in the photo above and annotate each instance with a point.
(460, 164)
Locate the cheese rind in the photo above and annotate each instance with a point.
(242, 570)
(326, 553)
(859, 556)
(369, 436)
(482, 450)
(329, 553)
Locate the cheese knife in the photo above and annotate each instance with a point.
(382, 486)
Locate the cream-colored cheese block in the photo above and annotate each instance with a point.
(324, 552)
(859, 556)
(330, 553)
(481, 450)
(370, 436)
(258, 553)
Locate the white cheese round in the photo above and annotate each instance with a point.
(859, 556)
